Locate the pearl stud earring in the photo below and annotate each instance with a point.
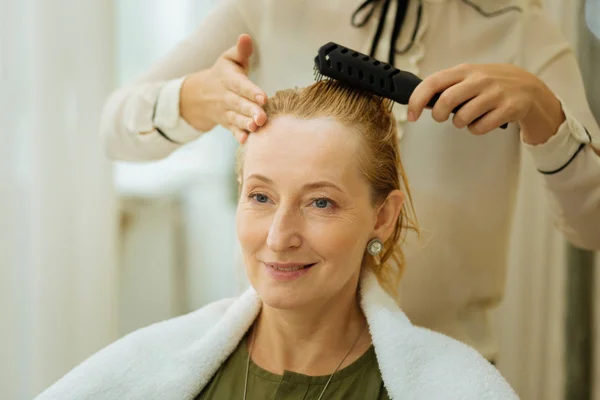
(374, 247)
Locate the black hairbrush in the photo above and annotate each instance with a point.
(366, 73)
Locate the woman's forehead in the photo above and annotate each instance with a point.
(292, 147)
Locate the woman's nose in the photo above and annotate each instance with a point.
(284, 233)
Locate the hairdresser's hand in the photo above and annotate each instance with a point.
(493, 94)
(224, 95)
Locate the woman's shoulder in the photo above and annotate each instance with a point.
(174, 333)
(454, 368)
(189, 326)
(115, 369)
(416, 362)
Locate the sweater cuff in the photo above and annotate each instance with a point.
(167, 118)
(558, 152)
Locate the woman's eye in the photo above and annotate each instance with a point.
(322, 203)
(260, 198)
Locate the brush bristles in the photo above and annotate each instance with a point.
(318, 75)
(391, 104)
(388, 103)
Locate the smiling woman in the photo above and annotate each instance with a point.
(351, 136)
(323, 204)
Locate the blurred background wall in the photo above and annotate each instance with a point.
(91, 250)
(58, 208)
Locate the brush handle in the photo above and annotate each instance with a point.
(436, 97)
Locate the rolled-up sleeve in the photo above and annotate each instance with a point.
(567, 161)
(141, 122)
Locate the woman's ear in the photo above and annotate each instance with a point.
(387, 215)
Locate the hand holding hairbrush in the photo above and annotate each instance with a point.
(366, 73)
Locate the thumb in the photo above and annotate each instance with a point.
(244, 48)
(241, 52)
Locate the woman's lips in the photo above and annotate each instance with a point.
(288, 271)
(288, 266)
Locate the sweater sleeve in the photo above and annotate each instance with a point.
(568, 162)
(141, 122)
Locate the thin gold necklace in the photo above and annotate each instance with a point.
(330, 377)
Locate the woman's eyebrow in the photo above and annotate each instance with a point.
(260, 178)
(308, 186)
(322, 184)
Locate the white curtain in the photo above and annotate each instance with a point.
(57, 209)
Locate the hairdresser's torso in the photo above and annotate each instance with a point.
(463, 186)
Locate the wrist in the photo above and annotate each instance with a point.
(166, 116)
(544, 118)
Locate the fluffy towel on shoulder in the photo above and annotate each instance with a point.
(175, 359)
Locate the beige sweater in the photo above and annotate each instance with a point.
(463, 186)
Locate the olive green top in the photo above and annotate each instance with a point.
(361, 380)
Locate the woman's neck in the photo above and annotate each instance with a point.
(312, 340)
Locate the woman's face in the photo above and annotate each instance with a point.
(305, 215)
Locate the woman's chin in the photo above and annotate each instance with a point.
(282, 298)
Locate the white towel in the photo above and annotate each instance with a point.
(174, 359)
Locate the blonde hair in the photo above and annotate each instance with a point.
(379, 162)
